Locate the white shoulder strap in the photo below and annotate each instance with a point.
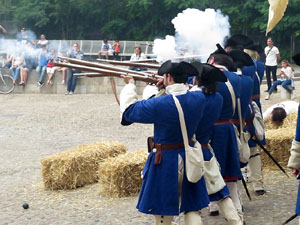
(182, 122)
(257, 77)
(230, 88)
(240, 114)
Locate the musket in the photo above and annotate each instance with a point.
(290, 219)
(128, 61)
(98, 72)
(246, 188)
(133, 64)
(101, 66)
(270, 156)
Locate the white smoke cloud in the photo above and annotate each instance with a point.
(196, 33)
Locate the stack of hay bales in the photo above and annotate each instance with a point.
(279, 140)
(77, 166)
(121, 176)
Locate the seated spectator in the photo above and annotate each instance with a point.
(72, 80)
(28, 64)
(16, 66)
(136, 56)
(287, 75)
(277, 113)
(104, 49)
(42, 66)
(117, 50)
(3, 31)
(42, 41)
(7, 62)
(52, 58)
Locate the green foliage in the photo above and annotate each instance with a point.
(142, 19)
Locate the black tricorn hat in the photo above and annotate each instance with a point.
(220, 50)
(296, 59)
(209, 73)
(177, 69)
(241, 58)
(238, 41)
(255, 47)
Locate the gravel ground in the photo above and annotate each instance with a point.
(35, 126)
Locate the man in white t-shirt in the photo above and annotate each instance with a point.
(272, 58)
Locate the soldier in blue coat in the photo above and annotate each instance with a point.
(294, 160)
(217, 189)
(223, 139)
(165, 190)
(255, 165)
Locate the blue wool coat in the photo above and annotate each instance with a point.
(159, 191)
(223, 139)
(297, 138)
(249, 71)
(213, 107)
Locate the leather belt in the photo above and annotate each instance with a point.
(254, 97)
(222, 122)
(237, 121)
(160, 147)
(204, 146)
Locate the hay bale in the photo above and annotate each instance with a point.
(121, 176)
(278, 143)
(77, 166)
(289, 122)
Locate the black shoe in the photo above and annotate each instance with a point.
(266, 90)
(260, 192)
(214, 213)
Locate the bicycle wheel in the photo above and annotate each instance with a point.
(6, 84)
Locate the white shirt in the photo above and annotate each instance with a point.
(288, 71)
(135, 57)
(271, 59)
(289, 106)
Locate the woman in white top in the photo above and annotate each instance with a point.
(287, 75)
(136, 56)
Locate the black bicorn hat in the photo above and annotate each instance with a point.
(238, 41)
(296, 59)
(241, 58)
(209, 73)
(177, 69)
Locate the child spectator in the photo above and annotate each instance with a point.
(52, 58)
(117, 50)
(104, 49)
(42, 67)
(29, 62)
(15, 68)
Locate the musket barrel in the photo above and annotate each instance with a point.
(133, 64)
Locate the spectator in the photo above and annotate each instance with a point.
(28, 64)
(72, 80)
(42, 66)
(3, 31)
(117, 50)
(272, 58)
(136, 56)
(287, 75)
(16, 66)
(104, 49)
(52, 58)
(7, 63)
(43, 41)
(23, 37)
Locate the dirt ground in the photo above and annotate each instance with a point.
(33, 126)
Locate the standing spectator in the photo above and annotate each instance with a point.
(72, 80)
(42, 67)
(23, 37)
(43, 41)
(136, 56)
(272, 58)
(104, 49)
(29, 62)
(16, 66)
(52, 58)
(117, 50)
(3, 31)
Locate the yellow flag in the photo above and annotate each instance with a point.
(276, 12)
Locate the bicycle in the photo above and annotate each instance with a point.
(6, 83)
